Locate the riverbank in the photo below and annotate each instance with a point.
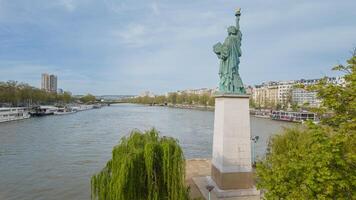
(8, 114)
(195, 107)
(182, 106)
(286, 116)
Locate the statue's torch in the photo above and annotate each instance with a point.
(238, 14)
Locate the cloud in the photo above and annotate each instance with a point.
(128, 46)
(68, 5)
(124, 7)
(173, 28)
(133, 35)
(319, 40)
(155, 8)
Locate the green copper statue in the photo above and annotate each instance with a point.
(229, 54)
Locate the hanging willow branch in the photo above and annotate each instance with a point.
(144, 166)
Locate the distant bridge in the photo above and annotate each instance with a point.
(109, 102)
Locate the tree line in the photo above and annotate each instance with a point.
(174, 98)
(13, 93)
(89, 98)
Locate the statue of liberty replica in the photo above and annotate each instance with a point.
(229, 54)
(231, 163)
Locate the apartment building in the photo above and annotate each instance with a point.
(49, 82)
(284, 92)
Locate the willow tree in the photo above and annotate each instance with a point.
(144, 166)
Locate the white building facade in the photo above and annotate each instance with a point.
(302, 97)
(285, 92)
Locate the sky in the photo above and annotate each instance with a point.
(129, 46)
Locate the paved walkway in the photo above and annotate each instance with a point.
(196, 168)
(201, 168)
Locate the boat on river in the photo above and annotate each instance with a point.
(14, 113)
(43, 111)
(64, 111)
(261, 113)
(97, 106)
(294, 116)
(82, 107)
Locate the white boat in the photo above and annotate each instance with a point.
(15, 113)
(86, 107)
(294, 116)
(82, 107)
(43, 111)
(64, 111)
(96, 106)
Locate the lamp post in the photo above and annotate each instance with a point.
(209, 188)
(254, 141)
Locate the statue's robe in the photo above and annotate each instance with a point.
(230, 80)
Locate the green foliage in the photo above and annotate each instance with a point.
(88, 98)
(22, 94)
(172, 98)
(339, 101)
(144, 166)
(316, 161)
(310, 162)
(252, 103)
(295, 107)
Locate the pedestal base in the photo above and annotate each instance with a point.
(232, 180)
(217, 193)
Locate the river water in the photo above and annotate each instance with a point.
(54, 157)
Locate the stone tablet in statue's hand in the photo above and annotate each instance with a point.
(217, 48)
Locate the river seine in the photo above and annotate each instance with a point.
(54, 157)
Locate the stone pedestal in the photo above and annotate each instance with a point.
(231, 162)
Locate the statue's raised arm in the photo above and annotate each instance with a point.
(239, 34)
(238, 14)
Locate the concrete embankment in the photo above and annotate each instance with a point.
(185, 106)
(195, 107)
